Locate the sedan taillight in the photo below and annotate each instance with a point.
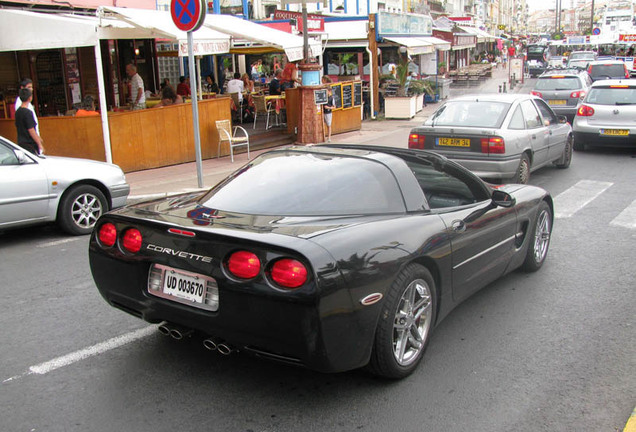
(580, 94)
(536, 93)
(585, 111)
(494, 145)
(416, 141)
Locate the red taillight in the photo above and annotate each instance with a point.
(585, 111)
(536, 93)
(244, 264)
(416, 141)
(627, 73)
(107, 234)
(132, 240)
(578, 94)
(494, 145)
(289, 273)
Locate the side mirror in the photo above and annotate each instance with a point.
(502, 199)
(22, 158)
(562, 119)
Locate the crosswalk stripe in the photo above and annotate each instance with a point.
(627, 218)
(578, 196)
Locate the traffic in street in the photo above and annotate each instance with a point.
(545, 351)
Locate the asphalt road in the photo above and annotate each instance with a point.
(549, 351)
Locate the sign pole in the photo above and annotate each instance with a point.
(195, 112)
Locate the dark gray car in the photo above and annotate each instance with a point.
(563, 90)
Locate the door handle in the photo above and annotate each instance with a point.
(458, 226)
(534, 137)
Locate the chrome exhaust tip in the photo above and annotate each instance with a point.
(164, 329)
(210, 343)
(175, 331)
(225, 349)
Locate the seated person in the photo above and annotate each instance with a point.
(87, 108)
(212, 87)
(169, 97)
(274, 84)
(236, 86)
(183, 88)
(248, 84)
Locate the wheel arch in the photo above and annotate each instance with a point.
(85, 182)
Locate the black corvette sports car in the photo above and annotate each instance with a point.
(329, 257)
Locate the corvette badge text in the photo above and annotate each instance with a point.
(178, 253)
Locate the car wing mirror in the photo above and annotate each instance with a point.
(22, 158)
(562, 119)
(502, 199)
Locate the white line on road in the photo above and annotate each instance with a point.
(627, 218)
(58, 242)
(578, 196)
(82, 354)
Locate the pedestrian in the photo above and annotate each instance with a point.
(327, 115)
(28, 84)
(183, 88)
(28, 137)
(137, 92)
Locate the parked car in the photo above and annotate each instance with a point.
(73, 192)
(328, 257)
(497, 136)
(607, 69)
(563, 90)
(581, 59)
(538, 58)
(607, 115)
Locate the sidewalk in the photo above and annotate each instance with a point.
(183, 178)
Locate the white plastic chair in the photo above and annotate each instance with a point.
(226, 134)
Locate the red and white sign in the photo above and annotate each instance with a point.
(315, 23)
(627, 37)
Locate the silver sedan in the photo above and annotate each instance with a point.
(607, 116)
(497, 136)
(73, 192)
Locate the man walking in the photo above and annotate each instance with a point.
(28, 137)
(28, 84)
(137, 92)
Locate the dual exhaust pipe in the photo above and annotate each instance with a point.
(178, 332)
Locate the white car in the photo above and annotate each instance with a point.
(607, 116)
(73, 192)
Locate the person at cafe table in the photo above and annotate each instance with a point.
(274, 84)
(236, 86)
(169, 97)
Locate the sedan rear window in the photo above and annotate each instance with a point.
(560, 83)
(300, 184)
(612, 96)
(607, 71)
(487, 114)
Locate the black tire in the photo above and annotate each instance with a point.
(539, 239)
(403, 331)
(578, 146)
(79, 209)
(566, 157)
(523, 171)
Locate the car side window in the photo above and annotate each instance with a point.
(7, 156)
(517, 122)
(531, 115)
(546, 112)
(443, 187)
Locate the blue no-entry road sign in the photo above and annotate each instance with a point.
(188, 15)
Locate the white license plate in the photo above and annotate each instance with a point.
(184, 287)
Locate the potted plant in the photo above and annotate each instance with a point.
(401, 105)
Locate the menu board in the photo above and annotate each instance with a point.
(357, 93)
(347, 101)
(320, 96)
(337, 94)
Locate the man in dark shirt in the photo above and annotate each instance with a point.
(28, 137)
(274, 84)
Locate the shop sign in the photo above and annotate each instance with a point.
(315, 23)
(467, 41)
(578, 40)
(203, 47)
(394, 24)
(627, 37)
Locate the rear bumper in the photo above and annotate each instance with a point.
(500, 168)
(119, 194)
(595, 139)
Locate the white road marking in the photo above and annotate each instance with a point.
(59, 242)
(578, 196)
(627, 218)
(102, 347)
